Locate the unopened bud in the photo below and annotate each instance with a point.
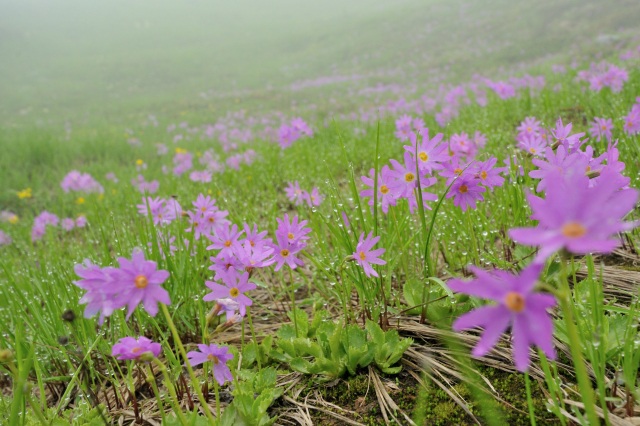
(6, 355)
(146, 356)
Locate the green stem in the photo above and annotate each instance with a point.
(175, 403)
(183, 353)
(156, 392)
(255, 341)
(527, 383)
(575, 346)
(217, 394)
(293, 302)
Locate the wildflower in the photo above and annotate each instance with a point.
(226, 239)
(601, 128)
(532, 144)
(132, 348)
(228, 306)
(578, 217)
(529, 127)
(81, 221)
(293, 230)
(387, 194)
(294, 193)
(218, 355)
(140, 281)
(100, 293)
(25, 193)
(466, 190)
(364, 256)
(203, 176)
(112, 177)
(285, 252)
(517, 305)
(80, 200)
(80, 182)
(431, 152)
(314, 198)
(234, 286)
(7, 216)
(489, 175)
(5, 239)
(68, 224)
(563, 136)
(558, 160)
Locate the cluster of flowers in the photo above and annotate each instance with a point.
(247, 157)
(80, 182)
(46, 218)
(454, 161)
(299, 196)
(182, 161)
(145, 187)
(582, 213)
(138, 281)
(603, 75)
(163, 211)
(7, 217)
(289, 133)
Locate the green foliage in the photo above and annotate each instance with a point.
(252, 397)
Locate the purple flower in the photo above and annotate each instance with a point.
(314, 198)
(601, 128)
(81, 222)
(68, 224)
(516, 306)
(132, 348)
(557, 161)
(293, 231)
(577, 216)
(489, 175)
(226, 239)
(234, 286)
(140, 281)
(203, 176)
(431, 152)
(100, 290)
(294, 193)
(218, 355)
(533, 144)
(465, 191)
(5, 239)
(364, 256)
(83, 182)
(388, 191)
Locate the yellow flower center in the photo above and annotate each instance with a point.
(573, 230)
(362, 255)
(409, 177)
(284, 252)
(463, 189)
(136, 349)
(212, 219)
(529, 129)
(423, 156)
(604, 127)
(213, 359)
(483, 175)
(227, 243)
(532, 150)
(384, 189)
(457, 171)
(290, 236)
(234, 292)
(141, 281)
(514, 302)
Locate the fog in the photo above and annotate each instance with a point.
(64, 59)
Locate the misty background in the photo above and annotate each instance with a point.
(78, 61)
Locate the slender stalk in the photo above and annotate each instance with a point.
(586, 392)
(253, 336)
(183, 353)
(532, 415)
(216, 393)
(156, 392)
(293, 302)
(175, 403)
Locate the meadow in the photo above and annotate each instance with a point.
(328, 230)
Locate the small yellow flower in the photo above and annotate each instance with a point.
(25, 193)
(13, 219)
(181, 151)
(209, 191)
(80, 200)
(139, 162)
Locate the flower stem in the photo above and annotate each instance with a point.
(183, 353)
(576, 347)
(172, 391)
(217, 394)
(532, 415)
(293, 302)
(253, 335)
(156, 392)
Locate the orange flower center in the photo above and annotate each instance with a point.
(362, 255)
(141, 281)
(227, 243)
(409, 177)
(532, 150)
(290, 236)
(136, 349)
(384, 189)
(463, 189)
(573, 230)
(514, 302)
(211, 219)
(423, 156)
(234, 292)
(213, 359)
(483, 175)
(457, 171)
(284, 252)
